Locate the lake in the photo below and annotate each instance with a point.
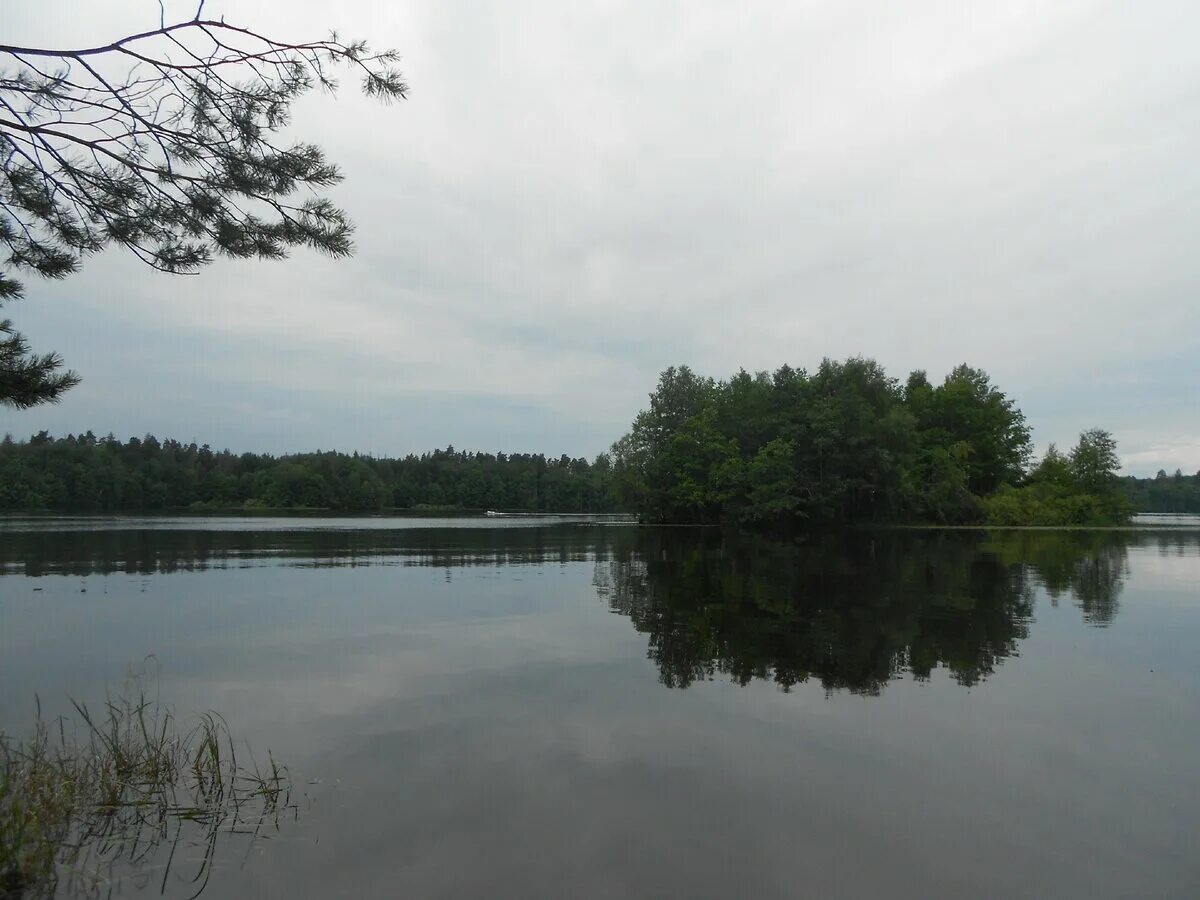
(549, 708)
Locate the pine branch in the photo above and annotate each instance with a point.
(171, 158)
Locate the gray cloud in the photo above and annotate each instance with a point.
(578, 195)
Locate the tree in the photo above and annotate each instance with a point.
(968, 408)
(644, 472)
(1094, 461)
(162, 142)
(680, 395)
(858, 439)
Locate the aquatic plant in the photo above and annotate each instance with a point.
(116, 792)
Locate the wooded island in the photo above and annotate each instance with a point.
(848, 444)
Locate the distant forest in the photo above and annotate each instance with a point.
(1164, 493)
(844, 444)
(86, 473)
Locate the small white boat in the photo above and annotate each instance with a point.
(492, 512)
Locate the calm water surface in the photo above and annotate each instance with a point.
(529, 708)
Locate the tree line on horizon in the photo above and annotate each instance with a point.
(1178, 493)
(86, 473)
(845, 444)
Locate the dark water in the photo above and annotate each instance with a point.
(525, 709)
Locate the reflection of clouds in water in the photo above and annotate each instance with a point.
(1160, 560)
(508, 729)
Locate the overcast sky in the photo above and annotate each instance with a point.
(577, 195)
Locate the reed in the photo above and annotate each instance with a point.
(119, 790)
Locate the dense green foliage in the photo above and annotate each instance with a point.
(849, 444)
(1164, 493)
(85, 473)
(1081, 488)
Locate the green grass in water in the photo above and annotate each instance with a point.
(120, 790)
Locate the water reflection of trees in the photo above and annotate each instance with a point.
(158, 550)
(851, 612)
(1087, 567)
